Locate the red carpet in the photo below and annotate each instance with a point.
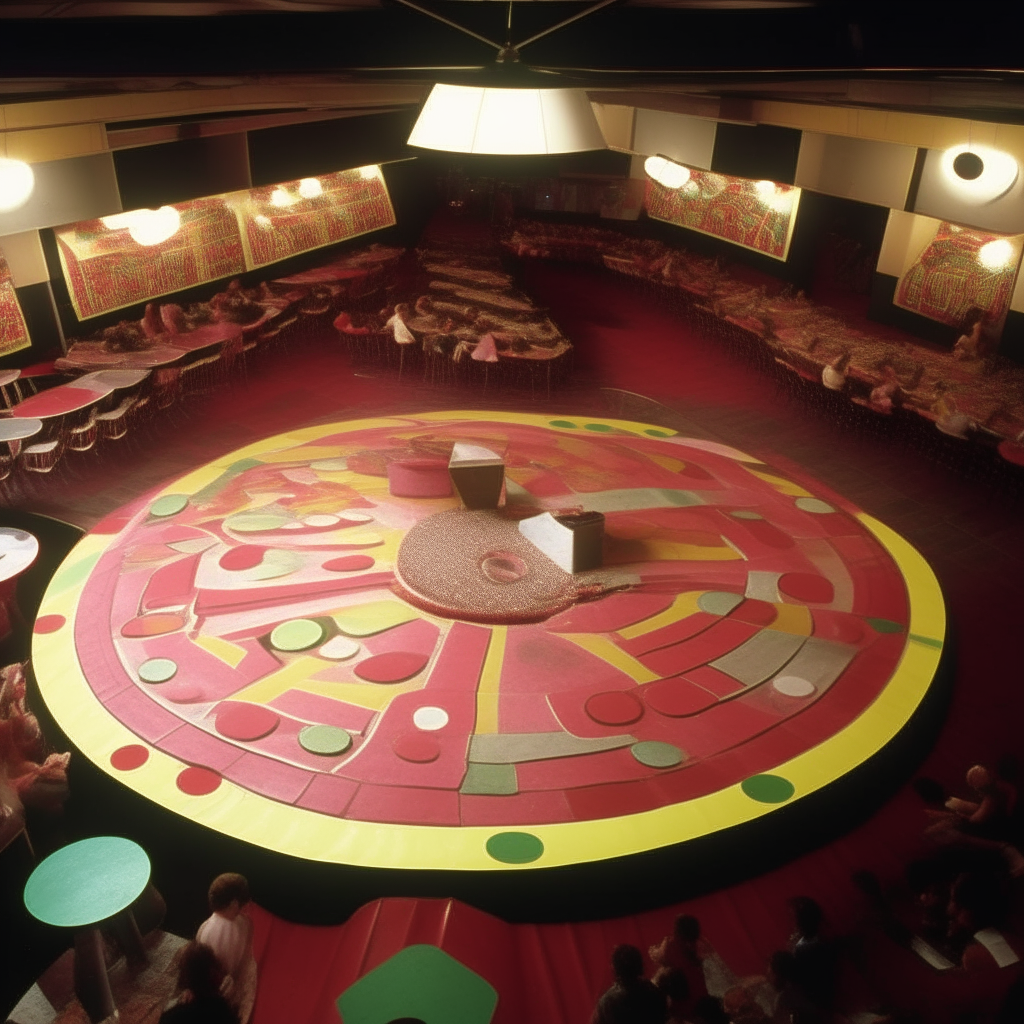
(626, 339)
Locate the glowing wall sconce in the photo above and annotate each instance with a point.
(997, 254)
(507, 121)
(979, 174)
(310, 188)
(778, 199)
(16, 183)
(666, 172)
(147, 227)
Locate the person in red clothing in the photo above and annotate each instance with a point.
(632, 999)
(684, 950)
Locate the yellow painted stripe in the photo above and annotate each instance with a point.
(793, 618)
(682, 607)
(490, 682)
(231, 654)
(605, 648)
(781, 485)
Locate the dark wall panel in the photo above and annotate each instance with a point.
(152, 176)
(882, 309)
(37, 308)
(306, 150)
(756, 151)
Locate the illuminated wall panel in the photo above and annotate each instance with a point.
(757, 215)
(687, 140)
(13, 330)
(994, 201)
(861, 169)
(959, 269)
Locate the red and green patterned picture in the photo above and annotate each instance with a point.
(758, 215)
(959, 270)
(13, 331)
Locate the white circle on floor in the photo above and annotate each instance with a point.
(325, 519)
(357, 517)
(339, 648)
(429, 718)
(793, 686)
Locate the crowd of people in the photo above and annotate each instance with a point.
(936, 947)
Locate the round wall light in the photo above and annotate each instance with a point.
(666, 172)
(997, 254)
(16, 183)
(146, 227)
(978, 174)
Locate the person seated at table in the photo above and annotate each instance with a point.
(200, 976)
(632, 999)
(987, 814)
(684, 950)
(974, 343)
(228, 932)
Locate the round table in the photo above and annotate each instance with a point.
(15, 429)
(61, 400)
(80, 886)
(18, 550)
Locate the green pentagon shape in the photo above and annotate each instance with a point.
(422, 982)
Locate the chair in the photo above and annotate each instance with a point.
(114, 424)
(41, 458)
(82, 438)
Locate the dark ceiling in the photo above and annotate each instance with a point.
(964, 59)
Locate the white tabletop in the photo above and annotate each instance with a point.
(18, 550)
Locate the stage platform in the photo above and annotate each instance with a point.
(304, 647)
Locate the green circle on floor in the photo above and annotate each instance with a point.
(768, 789)
(157, 670)
(328, 740)
(656, 754)
(884, 625)
(567, 424)
(743, 513)
(657, 433)
(168, 505)
(297, 635)
(815, 505)
(514, 847)
(255, 522)
(600, 428)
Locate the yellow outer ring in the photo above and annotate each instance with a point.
(290, 830)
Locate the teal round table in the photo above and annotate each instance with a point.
(85, 884)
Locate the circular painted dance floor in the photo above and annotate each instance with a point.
(310, 646)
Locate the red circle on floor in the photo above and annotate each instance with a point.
(417, 747)
(154, 624)
(614, 707)
(756, 613)
(124, 759)
(806, 586)
(48, 623)
(349, 563)
(240, 721)
(392, 667)
(245, 556)
(677, 697)
(196, 781)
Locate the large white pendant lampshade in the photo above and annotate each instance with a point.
(507, 121)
